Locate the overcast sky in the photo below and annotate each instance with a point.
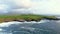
(34, 6)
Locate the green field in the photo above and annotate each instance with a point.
(23, 17)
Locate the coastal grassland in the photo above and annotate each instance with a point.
(23, 17)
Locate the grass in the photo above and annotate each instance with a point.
(22, 17)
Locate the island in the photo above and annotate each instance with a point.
(25, 17)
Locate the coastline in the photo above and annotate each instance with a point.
(22, 18)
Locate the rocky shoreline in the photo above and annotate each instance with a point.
(22, 20)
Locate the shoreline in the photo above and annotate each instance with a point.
(29, 20)
(22, 18)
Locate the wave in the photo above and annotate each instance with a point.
(16, 26)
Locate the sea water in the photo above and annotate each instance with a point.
(41, 27)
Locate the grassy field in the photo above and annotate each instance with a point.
(22, 17)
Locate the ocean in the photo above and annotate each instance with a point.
(41, 27)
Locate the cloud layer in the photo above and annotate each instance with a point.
(40, 6)
(35, 6)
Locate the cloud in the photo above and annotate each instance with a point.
(21, 11)
(35, 6)
(46, 7)
(23, 3)
(40, 6)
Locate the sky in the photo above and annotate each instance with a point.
(30, 6)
